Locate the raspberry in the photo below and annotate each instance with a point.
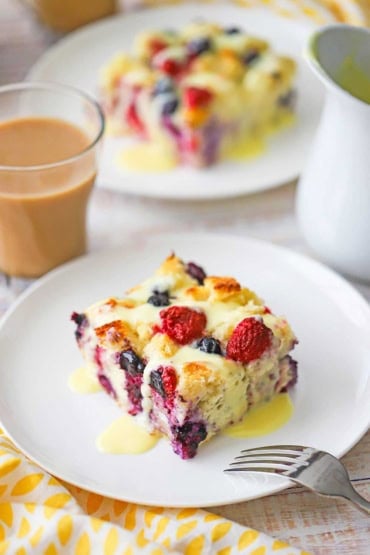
(182, 324)
(195, 97)
(164, 381)
(169, 381)
(156, 45)
(191, 142)
(249, 340)
(171, 67)
(134, 121)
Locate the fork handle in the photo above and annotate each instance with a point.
(358, 500)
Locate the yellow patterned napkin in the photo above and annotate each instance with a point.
(356, 12)
(41, 515)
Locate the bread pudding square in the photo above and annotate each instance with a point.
(200, 91)
(185, 353)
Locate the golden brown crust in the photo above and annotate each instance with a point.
(248, 296)
(163, 345)
(222, 288)
(112, 303)
(117, 334)
(195, 380)
(239, 303)
(126, 303)
(196, 370)
(133, 289)
(198, 293)
(224, 284)
(172, 265)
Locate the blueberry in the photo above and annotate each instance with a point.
(288, 99)
(190, 432)
(162, 86)
(199, 45)
(156, 382)
(170, 106)
(251, 57)
(196, 272)
(131, 362)
(81, 321)
(232, 31)
(78, 318)
(187, 437)
(209, 345)
(159, 298)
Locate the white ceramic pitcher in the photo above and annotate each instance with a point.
(333, 199)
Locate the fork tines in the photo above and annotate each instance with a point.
(273, 459)
(297, 449)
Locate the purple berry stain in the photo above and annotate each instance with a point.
(133, 367)
(98, 357)
(81, 322)
(186, 438)
(106, 384)
(293, 373)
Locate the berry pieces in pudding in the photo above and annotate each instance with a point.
(210, 345)
(185, 353)
(183, 324)
(159, 298)
(249, 341)
(133, 367)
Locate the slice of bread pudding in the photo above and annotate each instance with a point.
(187, 354)
(200, 91)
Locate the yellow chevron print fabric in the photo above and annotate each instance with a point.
(355, 12)
(40, 515)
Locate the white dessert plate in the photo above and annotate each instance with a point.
(58, 429)
(77, 59)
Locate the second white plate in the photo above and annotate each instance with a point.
(77, 59)
(58, 429)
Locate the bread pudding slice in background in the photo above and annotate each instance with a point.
(200, 91)
(185, 353)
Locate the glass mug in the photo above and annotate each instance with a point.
(66, 15)
(45, 185)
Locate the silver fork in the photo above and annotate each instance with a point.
(316, 470)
